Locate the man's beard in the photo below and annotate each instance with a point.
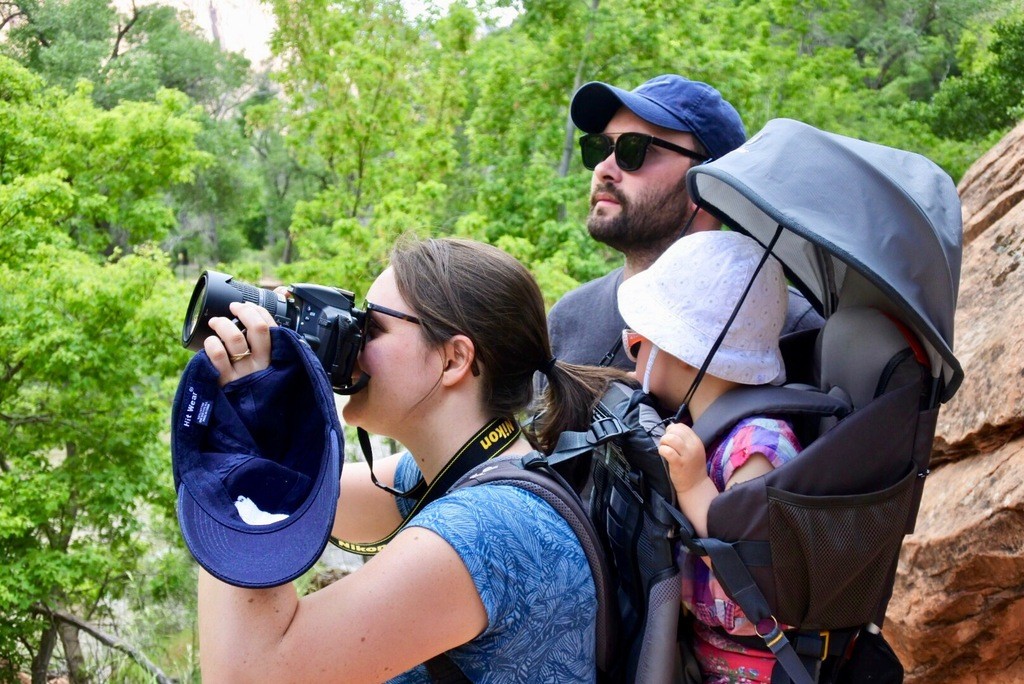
(647, 223)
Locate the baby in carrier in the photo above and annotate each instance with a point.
(675, 311)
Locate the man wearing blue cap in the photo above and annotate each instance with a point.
(639, 145)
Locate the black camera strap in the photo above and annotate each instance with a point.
(490, 441)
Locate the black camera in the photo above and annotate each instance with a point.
(325, 317)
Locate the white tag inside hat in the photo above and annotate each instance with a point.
(251, 514)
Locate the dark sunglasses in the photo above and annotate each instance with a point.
(370, 307)
(630, 149)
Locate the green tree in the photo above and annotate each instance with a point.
(374, 106)
(136, 57)
(482, 144)
(990, 97)
(127, 56)
(215, 209)
(87, 353)
(121, 163)
(284, 180)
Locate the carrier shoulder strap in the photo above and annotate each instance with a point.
(744, 402)
(532, 473)
(606, 425)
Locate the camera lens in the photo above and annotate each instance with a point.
(212, 296)
(195, 308)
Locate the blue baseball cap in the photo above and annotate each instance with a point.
(669, 101)
(257, 465)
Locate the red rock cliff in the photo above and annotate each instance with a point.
(957, 610)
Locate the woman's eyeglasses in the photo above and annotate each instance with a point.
(631, 340)
(630, 149)
(390, 312)
(369, 308)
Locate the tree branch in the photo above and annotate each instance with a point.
(122, 32)
(10, 18)
(17, 421)
(108, 640)
(12, 371)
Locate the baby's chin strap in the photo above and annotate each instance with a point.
(721, 336)
(689, 222)
(647, 369)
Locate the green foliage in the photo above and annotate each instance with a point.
(124, 129)
(159, 51)
(160, 601)
(283, 180)
(68, 168)
(87, 343)
(63, 41)
(118, 61)
(121, 163)
(218, 205)
(80, 414)
(127, 56)
(479, 146)
(990, 98)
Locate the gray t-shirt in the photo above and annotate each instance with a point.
(585, 324)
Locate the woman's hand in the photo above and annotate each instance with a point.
(236, 354)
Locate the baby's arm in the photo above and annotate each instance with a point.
(687, 466)
(756, 466)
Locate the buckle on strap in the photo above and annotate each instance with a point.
(773, 636)
(812, 645)
(605, 429)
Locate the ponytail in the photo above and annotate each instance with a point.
(569, 400)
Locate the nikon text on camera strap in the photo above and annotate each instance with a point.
(490, 441)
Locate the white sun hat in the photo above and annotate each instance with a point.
(684, 300)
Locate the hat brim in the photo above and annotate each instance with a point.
(258, 556)
(595, 103)
(643, 310)
(203, 419)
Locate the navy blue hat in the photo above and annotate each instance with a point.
(668, 101)
(265, 448)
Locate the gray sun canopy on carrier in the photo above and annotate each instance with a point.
(863, 224)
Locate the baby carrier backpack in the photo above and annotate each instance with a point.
(872, 236)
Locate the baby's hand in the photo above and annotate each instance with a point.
(685, 456)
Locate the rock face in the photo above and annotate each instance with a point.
(958, 604)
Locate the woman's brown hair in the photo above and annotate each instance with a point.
(470, 288)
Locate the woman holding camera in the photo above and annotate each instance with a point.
(492, 576)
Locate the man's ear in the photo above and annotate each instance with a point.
(459, 360)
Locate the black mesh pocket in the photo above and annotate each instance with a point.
(833, 555)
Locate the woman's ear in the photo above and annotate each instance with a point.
(459, 360)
